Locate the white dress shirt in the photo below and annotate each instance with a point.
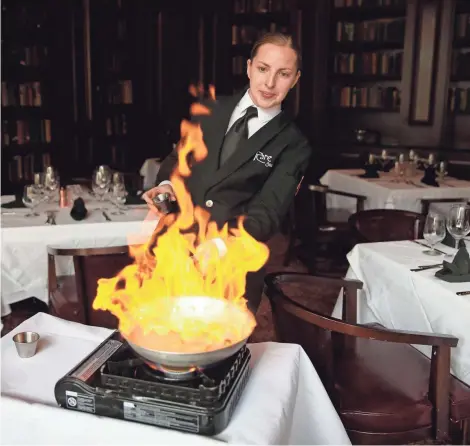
(254, 124)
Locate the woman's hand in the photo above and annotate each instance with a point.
(152, 193)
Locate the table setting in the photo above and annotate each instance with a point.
(398, 181)
(420, 285)
(72, 216)
(281, 401)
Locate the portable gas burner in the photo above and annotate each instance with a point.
(114, 382)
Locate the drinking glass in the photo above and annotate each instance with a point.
(458, 222)
(31, 198)
(434, 232)
(101, 180)
(51, 184)
(118, 198)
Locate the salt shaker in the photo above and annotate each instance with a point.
(62, 198)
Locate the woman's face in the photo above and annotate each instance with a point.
(272, 73)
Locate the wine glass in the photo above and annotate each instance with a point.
(118, 197)
(51, 183)
(458, 222)
(31, 198)
(434, 232)
(101, 180)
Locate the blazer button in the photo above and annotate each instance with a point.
(209, 203)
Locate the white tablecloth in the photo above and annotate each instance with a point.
(383, 193)
(284, 401)
(416, 301)
(149, 172)
(25, 240)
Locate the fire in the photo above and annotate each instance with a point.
(142, 296)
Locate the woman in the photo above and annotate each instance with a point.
(256, 155)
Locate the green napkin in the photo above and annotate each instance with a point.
(458, 270)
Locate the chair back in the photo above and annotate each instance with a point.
(92, 264)
(382, 225)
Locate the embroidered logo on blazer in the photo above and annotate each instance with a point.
(267, 160)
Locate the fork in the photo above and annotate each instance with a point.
(463, 293)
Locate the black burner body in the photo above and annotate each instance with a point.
(113, 381)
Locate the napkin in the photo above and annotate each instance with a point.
(79, 211)
(450, 241)
(370, 171)
(429, 177)
(135, 199)
(458, 270)
(17, 203)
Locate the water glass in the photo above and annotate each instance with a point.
(118, 198)
(434, 232)
(31, 198)
(458, 222)
(101, 181)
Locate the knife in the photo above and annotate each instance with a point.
(463, 293)
(105, 215)
(423, 268)
(426, 246)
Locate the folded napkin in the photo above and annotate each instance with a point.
(17, 203)
(450, 241)
(458, 270)
(371, 171)
(135, 199)
(429, 177)
(79, 211)
(388, 166)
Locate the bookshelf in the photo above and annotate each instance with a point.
(367, 55)
(27, 127)
(36, 89)
(459, 87)
(114, 50)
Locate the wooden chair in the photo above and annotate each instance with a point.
(311, 223)
(385, 391)
(383, 225)
(71, 297)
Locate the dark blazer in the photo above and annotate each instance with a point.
(258, 181)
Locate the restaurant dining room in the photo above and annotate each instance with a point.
(235, 221)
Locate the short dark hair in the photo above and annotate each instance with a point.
(278, 39)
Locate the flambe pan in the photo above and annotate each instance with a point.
(209, 309)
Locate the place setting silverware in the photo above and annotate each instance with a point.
(426, 246)
(463, 293)
(426, 267)
(106, 216)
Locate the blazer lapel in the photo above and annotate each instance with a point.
(215, 132)
(252, 146)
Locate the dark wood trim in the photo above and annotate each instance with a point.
(101, 251)
(424, 68)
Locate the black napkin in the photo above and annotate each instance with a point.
(134, 199)
(429, 177)
(371, 171)
(387, 166)
(450, 241)
(458, 270)
(79, 211)
(17, 203)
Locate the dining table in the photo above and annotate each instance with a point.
(389, 192)
(399, 295)
(283, 402)
(25, 241)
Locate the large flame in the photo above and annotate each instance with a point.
(142, 296)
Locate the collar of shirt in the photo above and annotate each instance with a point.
(264, 114)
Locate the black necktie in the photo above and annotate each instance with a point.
(236, 134)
